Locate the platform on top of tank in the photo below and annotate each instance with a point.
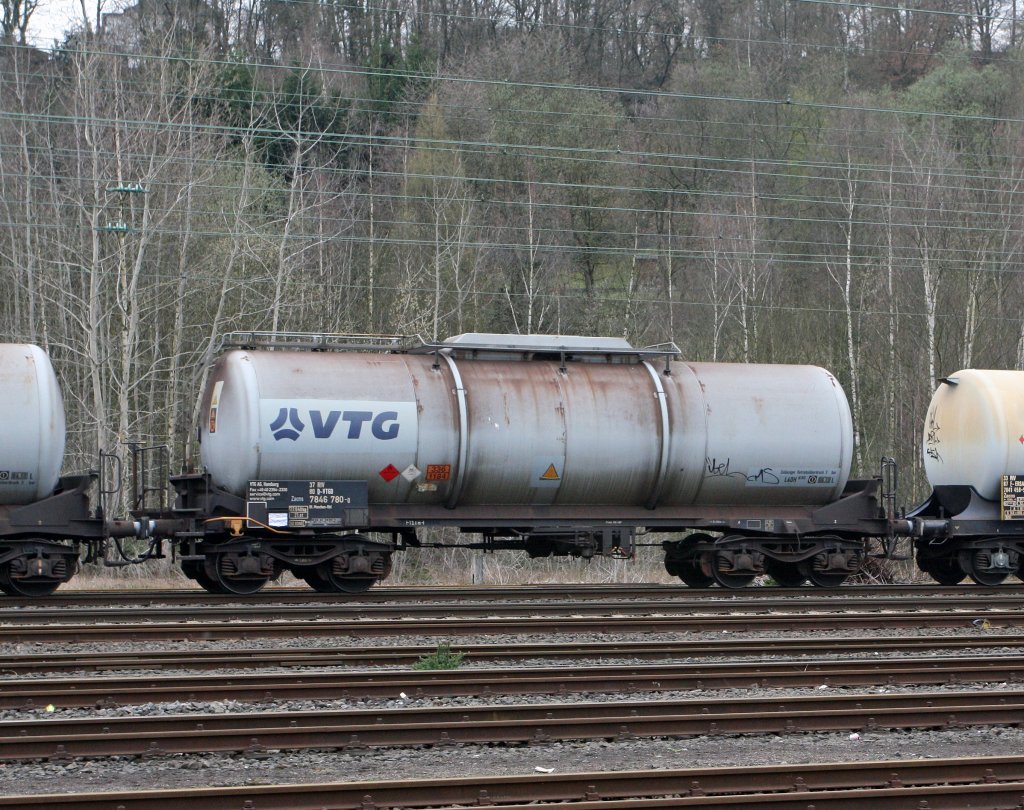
(481, 345)
(494, 340)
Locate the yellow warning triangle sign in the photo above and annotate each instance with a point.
(550, 474)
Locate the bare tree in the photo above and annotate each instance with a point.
(843, 277)
(14, 19)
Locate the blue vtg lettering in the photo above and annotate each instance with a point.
(288, 424)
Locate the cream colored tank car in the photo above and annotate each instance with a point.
(974, 430)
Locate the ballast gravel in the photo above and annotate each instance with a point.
(398, 703)
(342, 642)
(468, 761)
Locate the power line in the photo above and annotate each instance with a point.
(551, 113)
(597, 90)
(607, 295)
(600, 156)
(760, 257)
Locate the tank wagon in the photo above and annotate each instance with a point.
(972, 524)
(325, 455)
(45, 519)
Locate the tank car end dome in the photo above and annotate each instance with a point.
(32, 430)
(974, 430)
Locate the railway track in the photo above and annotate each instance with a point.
(404, 655)
(982, 782)
(414, 595)
(91, 691)
(314, 610)
(203, 629)
(510, 724)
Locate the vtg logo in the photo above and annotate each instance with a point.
(383, 425)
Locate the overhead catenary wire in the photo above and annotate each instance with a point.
(415, 104)
(597, 90)
(340, 138)
(759, 259)
(944, 215)
(595, 153)
(636, 242)
(596, 156)
(606, 295)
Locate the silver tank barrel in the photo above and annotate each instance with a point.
(476, 428)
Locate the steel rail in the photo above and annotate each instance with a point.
(389, 684)
(562, 607)
(416, 594)
(599, 625)
(403, 655)
(533, 723)
(884, 781)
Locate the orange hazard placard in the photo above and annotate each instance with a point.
(439, 472)
(546, 472)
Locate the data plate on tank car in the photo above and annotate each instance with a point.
(285, 505)
(1013, 497)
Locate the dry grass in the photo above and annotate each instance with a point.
(456, 566)
(449, 566)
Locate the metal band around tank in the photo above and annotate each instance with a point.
(659, 392)
(460, 467)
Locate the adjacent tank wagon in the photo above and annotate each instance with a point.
(42, 516)
(973, 449)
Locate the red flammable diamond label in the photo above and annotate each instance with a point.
(390, 473)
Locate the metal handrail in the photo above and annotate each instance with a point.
(414, 344)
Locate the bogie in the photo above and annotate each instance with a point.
(988, 566)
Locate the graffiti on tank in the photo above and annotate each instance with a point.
(932, 440)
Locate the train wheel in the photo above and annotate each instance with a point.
(25, 587)
(339, 584)
(788, 575)
(733, 581)
(686, 565)
(324, 580)
(944, 570)
(691, 574)
(976, 564)
(355, 584)
(213, 574)
(194, 570)
(822, 580)
(724, 578)
(315, 582)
